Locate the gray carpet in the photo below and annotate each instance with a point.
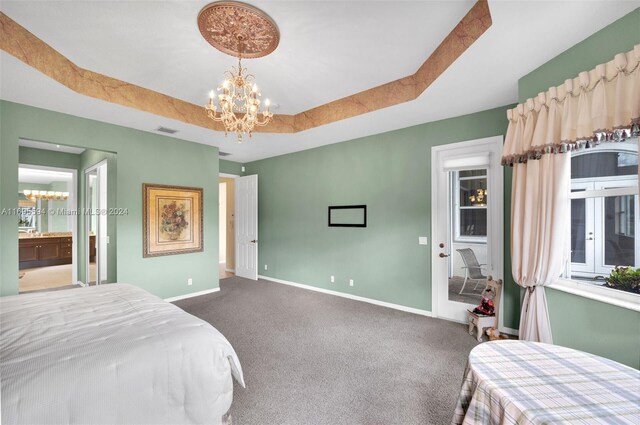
(311, 358)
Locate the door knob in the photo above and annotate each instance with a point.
(254, 241)
(442, 255)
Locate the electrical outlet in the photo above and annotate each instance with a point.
(333, 279)
(265, 267)
(242, 168)
(189, 281)
(350, 282)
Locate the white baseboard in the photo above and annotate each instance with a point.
(231, 270)
(349, 296)
(193, 294)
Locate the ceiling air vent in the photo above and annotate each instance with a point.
(166, 130)
(220, 153)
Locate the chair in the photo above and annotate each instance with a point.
(472, 270)
(481, 322)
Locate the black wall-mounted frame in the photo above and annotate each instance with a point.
(337, 223)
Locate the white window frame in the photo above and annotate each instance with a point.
(625, 185)
(457, 237)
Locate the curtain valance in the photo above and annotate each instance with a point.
(600, 105)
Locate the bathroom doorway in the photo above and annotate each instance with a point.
(47, 227)
(227, 239)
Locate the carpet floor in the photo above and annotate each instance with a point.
(311, 358)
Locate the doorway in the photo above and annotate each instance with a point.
(47, 229)
(227, 230)
(96, 223)
(467, 224)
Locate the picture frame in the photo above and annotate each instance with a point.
(347, 216)
(172, 219)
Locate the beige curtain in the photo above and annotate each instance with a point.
(601, 105)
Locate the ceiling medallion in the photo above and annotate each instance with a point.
(238, 29)
(243, 31)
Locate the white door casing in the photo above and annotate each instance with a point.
(473, 154)
(247, 227)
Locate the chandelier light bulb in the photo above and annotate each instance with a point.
(267, 103)
(212, 95)
(239, 104)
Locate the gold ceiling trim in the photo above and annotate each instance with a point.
(20, 43)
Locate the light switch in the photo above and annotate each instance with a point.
(422, 240)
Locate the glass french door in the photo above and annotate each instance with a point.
(600, 226)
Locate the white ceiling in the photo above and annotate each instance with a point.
(328, 50)
(50, 146)
(42, 176)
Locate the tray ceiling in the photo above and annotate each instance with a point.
(331, 50)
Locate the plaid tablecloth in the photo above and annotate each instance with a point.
(526, 383)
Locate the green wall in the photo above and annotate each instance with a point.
(142, 158)
(59, 222)
(599, 48)
(391, 174)
(579, 322)
(31, 156)
(230, 167)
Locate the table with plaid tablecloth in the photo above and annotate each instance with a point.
(526, 383)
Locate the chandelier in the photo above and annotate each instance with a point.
(239, 103)
(479, 199)
(243, 31)
(45, 195)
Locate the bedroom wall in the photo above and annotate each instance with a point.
(142, 158)
(391, 174)
(579, 322)
(230, 167)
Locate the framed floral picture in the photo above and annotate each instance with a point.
(172, 220)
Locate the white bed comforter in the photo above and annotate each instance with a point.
(112, 354)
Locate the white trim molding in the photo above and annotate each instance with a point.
(349, 296)
(191, 295)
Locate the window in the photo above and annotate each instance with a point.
(470, 208)
(604, 205)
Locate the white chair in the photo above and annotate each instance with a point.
(472, 270)
(481, 322)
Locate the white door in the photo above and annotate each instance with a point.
(467, 221)
(247, 227)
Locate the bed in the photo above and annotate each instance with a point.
(112, 354)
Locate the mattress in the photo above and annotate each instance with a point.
(112, 354)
